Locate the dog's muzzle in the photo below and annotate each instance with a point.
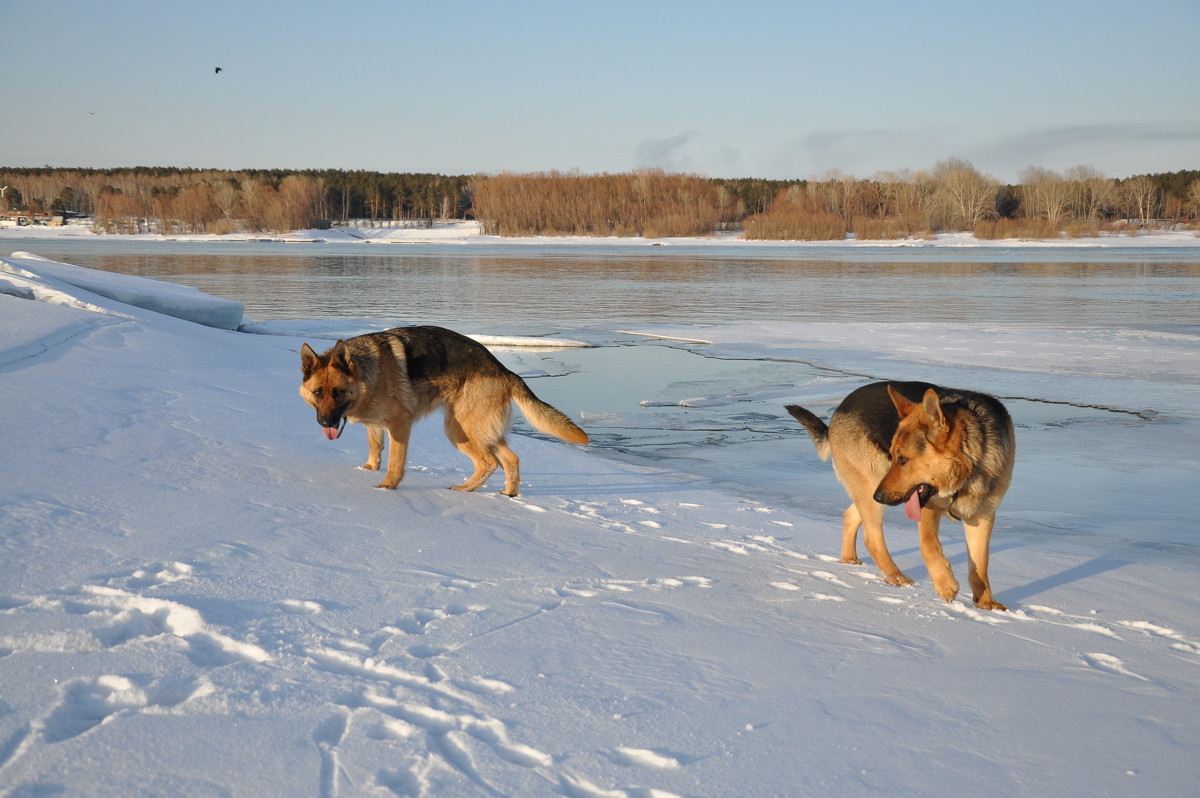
(913, 502)
(332, 431)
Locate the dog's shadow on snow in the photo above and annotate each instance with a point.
(1084, 570)
(1016, 595)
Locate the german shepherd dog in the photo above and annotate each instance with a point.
(938, 451)
(387, 380)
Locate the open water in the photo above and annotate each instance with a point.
(519, 289)
(666, 402)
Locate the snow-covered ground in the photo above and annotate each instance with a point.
(200, 596)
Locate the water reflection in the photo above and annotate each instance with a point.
(531, 289)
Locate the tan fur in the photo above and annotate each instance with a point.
(956, 447)
(389, 380)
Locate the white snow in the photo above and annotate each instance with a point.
(200, 596)
(179, 301)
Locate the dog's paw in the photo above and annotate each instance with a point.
(947, 590)
(988, 602)
(897, 579)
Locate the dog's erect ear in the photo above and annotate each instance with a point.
(309, 360)
(339, 358)
(903, 406)
(931, 407)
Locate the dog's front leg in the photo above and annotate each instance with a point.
(935, 559)
(397, 455)
(979, 537)
(374, 447)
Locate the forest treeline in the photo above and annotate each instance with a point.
(172, 200)
(952, 196)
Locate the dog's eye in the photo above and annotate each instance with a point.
(901, 460)
(338, 393)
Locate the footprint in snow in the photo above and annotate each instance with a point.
(645, 758)
(729, 546)
(452, 733)
(88, 703)
(1178, 641)
(427, 652)
(458, 583)
(300, 607)
(135, 617)
(982, 616)
(419, 621)
(593, 589)
(1110, 664)
(830, 578)
(155, 575)
(485, 686)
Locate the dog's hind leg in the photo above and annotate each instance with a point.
(859, 484)
(484, 461)
(851, 521)
(935, 559)
(512, 468)
(871, 513)
(484, 464)
(979, 536)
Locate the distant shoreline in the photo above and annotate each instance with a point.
(468, 233)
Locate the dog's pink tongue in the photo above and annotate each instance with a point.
(912, 507)
(331, 433)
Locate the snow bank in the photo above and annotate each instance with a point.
(25, 273)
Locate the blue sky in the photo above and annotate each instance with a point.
(766, 89)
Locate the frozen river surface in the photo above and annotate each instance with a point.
(694, 350)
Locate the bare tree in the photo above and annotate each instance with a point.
(1045, 195)
(300, 199)
(1192, 200)
(964, 195)
(1091, 192)
(1141, 198)
(225, 195)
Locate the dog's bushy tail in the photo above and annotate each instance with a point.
(545, 418)
(817, 429)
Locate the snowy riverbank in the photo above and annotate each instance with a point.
(199, 595)
(468, 232)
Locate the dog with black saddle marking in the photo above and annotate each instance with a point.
(938, 451)
(388, 380)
